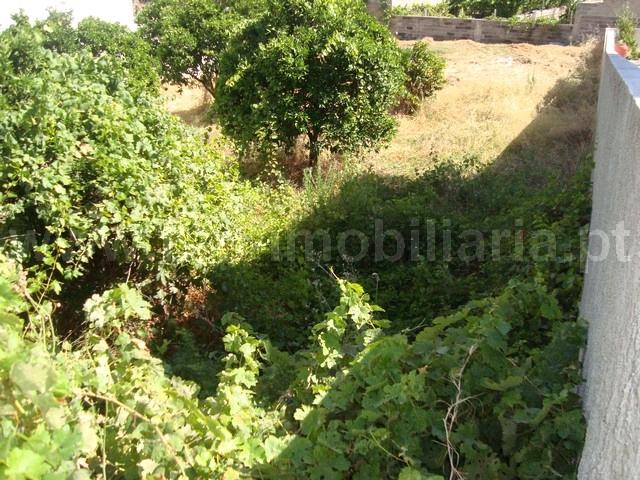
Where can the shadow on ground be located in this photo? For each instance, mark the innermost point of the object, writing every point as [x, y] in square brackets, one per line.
[529, 188]
[438, 264]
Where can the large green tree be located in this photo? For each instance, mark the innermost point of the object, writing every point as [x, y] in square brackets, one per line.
[127, 48]
[102, 37]
[188, 36]
[323, 69]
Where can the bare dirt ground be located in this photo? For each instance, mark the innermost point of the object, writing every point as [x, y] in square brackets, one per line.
[535, 102]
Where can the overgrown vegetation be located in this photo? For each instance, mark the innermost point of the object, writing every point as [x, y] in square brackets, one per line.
[627, 24]
[128, 51]
[161, 317]
[98, 180]
[424, 75]
[188, 38]
[325, 70]
[476, 391]
[441, 9]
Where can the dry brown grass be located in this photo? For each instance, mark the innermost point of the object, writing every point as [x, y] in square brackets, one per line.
[499, 100]
[190, 103]
[502, 104]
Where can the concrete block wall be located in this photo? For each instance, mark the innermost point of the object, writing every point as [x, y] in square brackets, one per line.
[489, 31]
[611, 294]
[593, 17]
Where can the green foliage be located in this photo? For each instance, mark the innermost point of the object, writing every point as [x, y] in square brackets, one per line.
[424, 75]
[440, 9]
[57, 30]
[244, 8]
[131, 54]
[107, 201]
[627, 23]
[322, 69]
[454, 198]
[85, 164]
[504, 8]
[95, 179]
[486, 8]
[487, 390]
[188, 37]
[102, 37]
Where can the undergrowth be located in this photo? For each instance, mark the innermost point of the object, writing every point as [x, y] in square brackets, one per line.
[168, 319]
[488, 391]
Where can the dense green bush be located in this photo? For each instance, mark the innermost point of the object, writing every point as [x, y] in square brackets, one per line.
[188, 37]
[96, 178]
[131, 54]
[322, 69]
[488, 391]
[113, 39]
[424, 75]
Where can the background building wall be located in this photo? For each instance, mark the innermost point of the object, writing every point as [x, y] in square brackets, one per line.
[490, 31]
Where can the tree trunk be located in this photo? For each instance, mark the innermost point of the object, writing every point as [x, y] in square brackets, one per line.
[314, 149]
[210, 86]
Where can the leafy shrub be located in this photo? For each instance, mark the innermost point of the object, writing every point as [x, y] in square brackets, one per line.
[424, 75]
[57, 30]
[188, 37]
[627, 23]
[440, 9]
[96, 179]
[322, 69]
[85, 165]
[131, 54]
[102, 37]
[488, 391]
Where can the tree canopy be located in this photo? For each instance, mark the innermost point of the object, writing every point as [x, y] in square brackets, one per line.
[323, 69]
[188, 36]
[127, 48]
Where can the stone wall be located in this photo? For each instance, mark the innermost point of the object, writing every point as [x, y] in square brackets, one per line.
[593, 17]
[489, 31]
[611, 295]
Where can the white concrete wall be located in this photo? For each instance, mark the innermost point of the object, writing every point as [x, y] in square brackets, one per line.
[611, 296]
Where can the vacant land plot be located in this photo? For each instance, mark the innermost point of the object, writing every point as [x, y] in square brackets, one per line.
[508, 104]
[539, 100]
